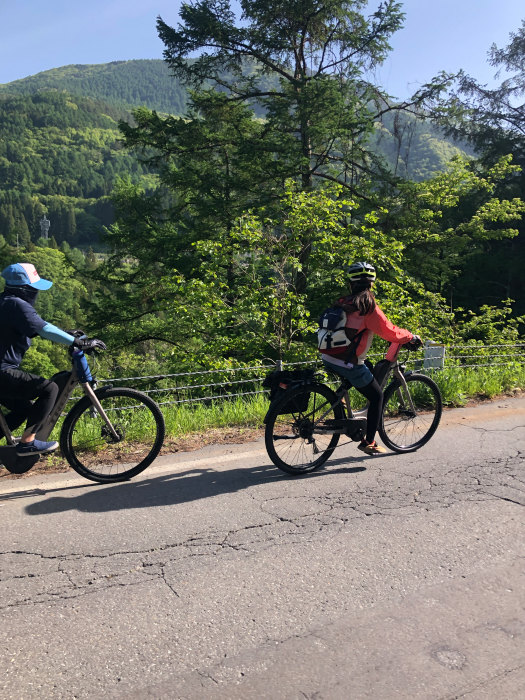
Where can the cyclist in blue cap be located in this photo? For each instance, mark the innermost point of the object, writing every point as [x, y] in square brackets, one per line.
[27, 396]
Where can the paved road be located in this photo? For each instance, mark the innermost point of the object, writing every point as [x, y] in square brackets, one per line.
[215, 576]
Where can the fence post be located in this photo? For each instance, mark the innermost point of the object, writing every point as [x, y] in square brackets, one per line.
[434, 355]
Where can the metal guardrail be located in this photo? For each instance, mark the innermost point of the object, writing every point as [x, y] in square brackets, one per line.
[453, 357]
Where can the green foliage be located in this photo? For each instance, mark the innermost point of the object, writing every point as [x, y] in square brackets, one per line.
[43, 360]
[446, 222]
[256, 274]
[59, 155]
[244, 295]
[493, 121]
[490, 325]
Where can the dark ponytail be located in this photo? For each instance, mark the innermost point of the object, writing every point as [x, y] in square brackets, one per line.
[364, 302]
[361, 299]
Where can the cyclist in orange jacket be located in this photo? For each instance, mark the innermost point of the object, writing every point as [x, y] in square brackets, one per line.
[363, 314]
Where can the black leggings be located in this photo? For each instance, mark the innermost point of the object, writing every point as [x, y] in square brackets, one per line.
[374, 394]
[18, 391]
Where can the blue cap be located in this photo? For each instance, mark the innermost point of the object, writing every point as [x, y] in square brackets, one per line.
[21, 274]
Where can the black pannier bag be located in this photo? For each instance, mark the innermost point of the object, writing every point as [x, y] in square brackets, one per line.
[279, 382]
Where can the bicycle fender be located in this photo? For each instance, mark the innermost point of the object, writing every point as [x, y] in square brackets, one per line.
[100, 391]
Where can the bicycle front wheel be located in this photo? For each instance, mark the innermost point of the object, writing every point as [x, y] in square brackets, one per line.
[410, 415]
[299, 433]
[89, 446]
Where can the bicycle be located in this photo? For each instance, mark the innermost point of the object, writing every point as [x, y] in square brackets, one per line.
[304, 424]
[111, 434]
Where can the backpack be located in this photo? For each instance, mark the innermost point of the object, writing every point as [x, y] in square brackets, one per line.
[333, 338]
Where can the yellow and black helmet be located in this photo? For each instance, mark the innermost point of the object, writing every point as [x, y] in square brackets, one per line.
[361, 271]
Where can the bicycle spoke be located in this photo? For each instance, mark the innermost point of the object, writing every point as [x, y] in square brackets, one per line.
[90, 444]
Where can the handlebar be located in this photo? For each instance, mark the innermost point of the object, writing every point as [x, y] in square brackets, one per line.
[395, 348]
[96, 344]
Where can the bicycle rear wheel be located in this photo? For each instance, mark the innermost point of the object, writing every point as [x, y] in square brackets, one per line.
[87, 444]
[410, 415]
[298, 434]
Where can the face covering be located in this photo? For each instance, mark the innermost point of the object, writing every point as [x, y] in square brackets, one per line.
[24, 292]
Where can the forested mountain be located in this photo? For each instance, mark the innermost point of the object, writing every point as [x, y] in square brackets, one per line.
[59, 155]
[60, 149]
[123, 83]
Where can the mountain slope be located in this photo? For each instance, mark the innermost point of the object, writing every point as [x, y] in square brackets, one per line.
[126, 83]
[147, 82]
[60, 150]
[59, 154]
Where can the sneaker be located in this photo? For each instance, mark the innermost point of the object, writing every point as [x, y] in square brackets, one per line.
[34, 448]
[371, 448]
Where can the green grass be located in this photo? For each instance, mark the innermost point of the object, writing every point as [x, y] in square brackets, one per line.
[457, 387]
[183, 419]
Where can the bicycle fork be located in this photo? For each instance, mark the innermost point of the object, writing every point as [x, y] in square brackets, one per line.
[405, 398]
[88, 391]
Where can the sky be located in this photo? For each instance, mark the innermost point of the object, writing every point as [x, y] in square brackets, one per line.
[36, 35]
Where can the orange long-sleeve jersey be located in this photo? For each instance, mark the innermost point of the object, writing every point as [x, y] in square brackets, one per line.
[375, 323]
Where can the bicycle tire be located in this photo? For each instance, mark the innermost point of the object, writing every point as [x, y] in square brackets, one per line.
[293, 440]
[87, 445]
[400, 428]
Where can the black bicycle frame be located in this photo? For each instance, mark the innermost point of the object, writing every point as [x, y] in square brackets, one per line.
[8, 456]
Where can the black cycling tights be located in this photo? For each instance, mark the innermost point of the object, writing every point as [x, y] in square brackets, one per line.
[374, 394]
[27, 397]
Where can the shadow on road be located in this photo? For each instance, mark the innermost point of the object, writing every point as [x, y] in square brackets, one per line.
[169, 489]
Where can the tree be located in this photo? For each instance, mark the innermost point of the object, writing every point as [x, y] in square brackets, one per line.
[493, 120]
[304, 63]
[269, 314]
[205, 320]
[447, 222]
[209, 165]
[300, 66]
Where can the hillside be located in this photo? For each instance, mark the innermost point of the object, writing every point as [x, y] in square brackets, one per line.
[413, 149]
[125, 83]
[60, 150]
[59, 154]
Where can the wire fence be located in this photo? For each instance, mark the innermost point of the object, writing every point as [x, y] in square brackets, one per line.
[237, 382]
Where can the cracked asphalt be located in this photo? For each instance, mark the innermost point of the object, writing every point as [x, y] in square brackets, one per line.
[214, 575]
